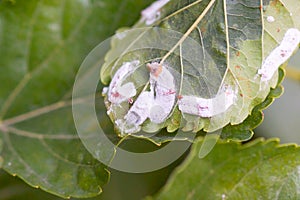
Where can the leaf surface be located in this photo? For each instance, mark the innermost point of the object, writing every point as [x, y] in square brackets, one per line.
[42, 46]
[13, 188]
[258, 170]
[233, 39]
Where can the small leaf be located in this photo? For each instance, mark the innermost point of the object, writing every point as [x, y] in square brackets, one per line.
[258, 170]
[42, 45]
[233, 40]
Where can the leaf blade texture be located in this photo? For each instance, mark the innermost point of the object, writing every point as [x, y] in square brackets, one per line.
[259, 169]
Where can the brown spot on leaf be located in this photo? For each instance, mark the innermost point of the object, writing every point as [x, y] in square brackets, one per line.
[238, 67]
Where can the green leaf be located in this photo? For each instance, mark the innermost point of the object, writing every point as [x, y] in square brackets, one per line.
[1, 159]
[258, 170]
[42, 45]
[237, 37]
[244, 131]
[13, 188]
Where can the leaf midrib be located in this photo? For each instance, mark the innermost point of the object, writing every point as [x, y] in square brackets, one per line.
[188, 32]
[6, 124]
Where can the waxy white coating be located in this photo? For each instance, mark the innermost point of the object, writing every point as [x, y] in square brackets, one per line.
[152, 13]
[117, 92]
[155, 104]
[280, 54]
[208, 107]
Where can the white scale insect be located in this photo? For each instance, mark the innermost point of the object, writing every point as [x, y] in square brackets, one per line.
[118, 93]
[152, 13]
[162, 84]
[198, 106]
[280, 54]
[270, 19]
[137, 114]
[155, 104]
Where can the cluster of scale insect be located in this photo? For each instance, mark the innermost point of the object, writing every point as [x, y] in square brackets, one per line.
[157, 104]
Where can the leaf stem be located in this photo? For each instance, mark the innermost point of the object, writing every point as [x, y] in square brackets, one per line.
[227, 43]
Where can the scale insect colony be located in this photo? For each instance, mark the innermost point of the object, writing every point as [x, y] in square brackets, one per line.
[157, 104]
[157, 101]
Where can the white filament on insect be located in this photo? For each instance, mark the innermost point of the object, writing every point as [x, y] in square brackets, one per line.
[155, 104]
[280, 54]
[202, 107]
[152, 13]
[117, 92]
